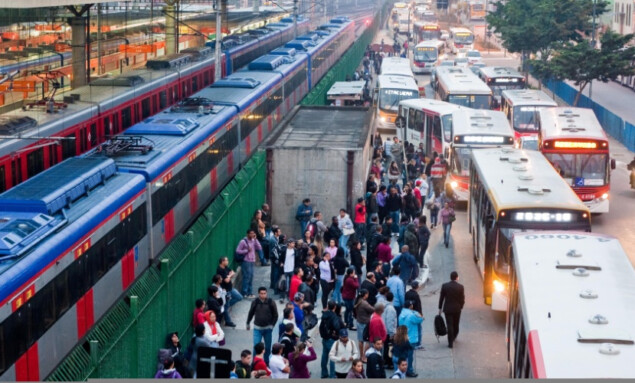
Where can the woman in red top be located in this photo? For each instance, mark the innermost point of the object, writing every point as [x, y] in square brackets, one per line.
[360, 220]
[259, 365]
[349, 292]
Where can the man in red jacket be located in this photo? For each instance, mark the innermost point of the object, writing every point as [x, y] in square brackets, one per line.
[296, 281]
[377, 327]
[360, 220]
[437, 174]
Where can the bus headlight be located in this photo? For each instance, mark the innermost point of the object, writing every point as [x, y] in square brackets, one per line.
[498, 286]
[454, 184]
[605, 196]
[383, 119]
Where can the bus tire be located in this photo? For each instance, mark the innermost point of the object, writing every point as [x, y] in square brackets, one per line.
[474, 250]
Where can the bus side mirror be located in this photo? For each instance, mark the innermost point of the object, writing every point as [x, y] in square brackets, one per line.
[612, 163]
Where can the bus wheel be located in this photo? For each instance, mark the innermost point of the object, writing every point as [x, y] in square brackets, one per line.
[474, 250]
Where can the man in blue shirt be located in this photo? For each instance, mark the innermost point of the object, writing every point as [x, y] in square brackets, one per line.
[304, 214]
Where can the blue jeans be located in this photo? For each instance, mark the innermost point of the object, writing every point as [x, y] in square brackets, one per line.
[303, 225]
[276, 272]
[434, 217]
[234, 297]
[360, 232]
[348, 314]
[446, 233]
[326, 364]
[248, 277]
[337, 292]
[343, 242]
[258, 336]
[395, 220]
[261, 255]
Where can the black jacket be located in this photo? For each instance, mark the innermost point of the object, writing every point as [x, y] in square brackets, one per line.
[309, 294]
[412, 295]
[332, 324]
[357, 260]
[393, 202]
[264, 313]
[423, 234]
[452, 297]
[372, 291]
[333, 232]
[340, 264]
[375, 366]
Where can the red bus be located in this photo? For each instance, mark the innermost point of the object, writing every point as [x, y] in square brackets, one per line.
[574, 142]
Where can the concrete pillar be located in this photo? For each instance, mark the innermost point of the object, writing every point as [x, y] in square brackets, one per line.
[170, 29]
[256, 6]
[78, 43]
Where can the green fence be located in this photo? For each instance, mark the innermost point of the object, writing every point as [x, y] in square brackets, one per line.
[346, 65]
[125, 342]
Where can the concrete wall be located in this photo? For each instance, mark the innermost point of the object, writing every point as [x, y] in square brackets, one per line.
[318, 174]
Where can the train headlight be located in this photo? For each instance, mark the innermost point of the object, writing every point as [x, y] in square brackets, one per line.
[605, 196]
[454, 184]
[498, 286]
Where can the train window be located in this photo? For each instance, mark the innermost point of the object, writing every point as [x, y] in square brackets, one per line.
[69, 147]
[16, 171]
[35, 162]
[206, 78]
[163, 100]
[83, 140]
[194, 84]
[3, 181]
[126, 118]
[115, 124]
[145, 108]
[107, 131]
[184, 89]
[93, 134]
[53, 154]
[62, 297]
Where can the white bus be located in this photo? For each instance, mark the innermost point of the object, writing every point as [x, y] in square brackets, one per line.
[461, 86]
[396, 66]
[426, 55]
[571, 308]
[391, 89]
[501, 78]
[427, 122]
[401, 18]
[473, 129]
[461, 39]
[521, 108]
[513, 190]
[575, 143]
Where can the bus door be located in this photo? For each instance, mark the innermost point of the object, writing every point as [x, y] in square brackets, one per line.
[433, 133]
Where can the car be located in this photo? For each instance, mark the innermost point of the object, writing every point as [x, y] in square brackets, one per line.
[461, 61]
[473, 56]
[528, 142]
[476, 67]
[444, 35]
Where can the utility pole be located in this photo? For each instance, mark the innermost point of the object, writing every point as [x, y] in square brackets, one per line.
[592, 46]
[99, 38]
[219, 38]
[171, 40]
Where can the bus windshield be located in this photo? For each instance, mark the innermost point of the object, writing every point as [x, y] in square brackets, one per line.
[591, 168]
[463, 38]
[446, 121]
[498, 88]
[389, 98]
[426, 54]
[525, 119]
[461, 161]
[471, 101]
[430, 34]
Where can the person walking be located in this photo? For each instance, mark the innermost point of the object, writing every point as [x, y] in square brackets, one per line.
[447, 217]
[342, 353]
[451, 301]
[423, 235]
[303, 214]
[248, 247]
[298, 360]
[330, 326]
[360, 220]
[347, 228]
[265, 314]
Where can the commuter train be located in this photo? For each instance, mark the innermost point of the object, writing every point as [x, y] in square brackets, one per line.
[33, 139]
[74, 237]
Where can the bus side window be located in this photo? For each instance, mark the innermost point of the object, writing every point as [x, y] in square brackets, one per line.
[436, 130]
[419, 121]
[411, 119]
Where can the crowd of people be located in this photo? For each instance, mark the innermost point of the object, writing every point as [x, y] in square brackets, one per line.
[364, 288]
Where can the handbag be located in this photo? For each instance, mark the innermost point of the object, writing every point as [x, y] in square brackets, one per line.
[348, 231]
[452, 218]
[239, 257]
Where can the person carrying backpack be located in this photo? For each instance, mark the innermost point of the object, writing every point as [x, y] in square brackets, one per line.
[330, 326]
[342, 353]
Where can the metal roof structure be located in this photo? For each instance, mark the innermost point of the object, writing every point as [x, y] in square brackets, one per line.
[567, 123]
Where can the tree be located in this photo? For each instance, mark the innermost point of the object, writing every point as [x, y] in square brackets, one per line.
[581, 63]
[534, 26]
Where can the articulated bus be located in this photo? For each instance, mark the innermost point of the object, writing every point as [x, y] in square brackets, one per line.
[461, 39]
[500, 79]
[428, 122]
[426, 31]
[571, 307]
[460, 86]
[427, 55]
[573, 140]
[521, 108]
[513, 190]
[473, 129]
[391, 89]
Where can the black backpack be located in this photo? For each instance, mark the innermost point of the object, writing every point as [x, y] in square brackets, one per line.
[439, 327]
